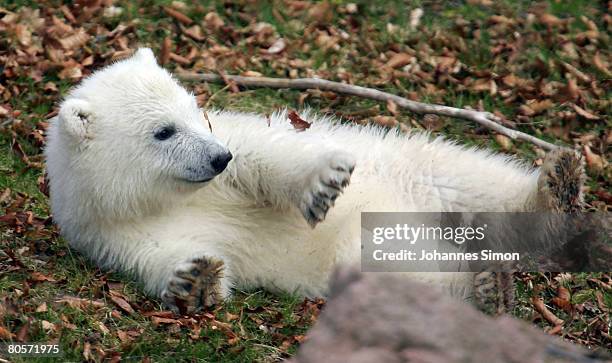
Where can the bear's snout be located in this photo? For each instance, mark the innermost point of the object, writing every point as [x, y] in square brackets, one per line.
[220, 161]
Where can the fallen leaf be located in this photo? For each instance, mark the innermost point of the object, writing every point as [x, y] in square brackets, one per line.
[601, 65]
[157, 320]
[415, 18]
[251, 74]
[297, 122]
[87, 352]
[577, 73]
[42, 308]
[179, 59]
[164, 56]
[584, 113]
[392, 107]
[277, 47]
[539, 306]
[74, 41]
[5, 333]
[504, 141]
[399, 60]
[177, 15]
[80, 303]
[386, 121]
[593, 161]
[562, 300]
[39, 277]
[48, 326]
[213, 21]
[121, 301]
[550, 20]
[103, 328]
[195, 32]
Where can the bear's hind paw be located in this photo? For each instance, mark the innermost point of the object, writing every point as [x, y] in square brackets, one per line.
[327, 184]
[494, 292]
[560, 182]
[194, 285]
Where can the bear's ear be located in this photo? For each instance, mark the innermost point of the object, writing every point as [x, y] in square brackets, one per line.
[145, 55]
[75, 117]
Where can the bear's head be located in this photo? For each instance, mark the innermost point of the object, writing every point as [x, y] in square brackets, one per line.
[129, 140]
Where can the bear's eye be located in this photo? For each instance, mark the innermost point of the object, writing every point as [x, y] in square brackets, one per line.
[165, 133]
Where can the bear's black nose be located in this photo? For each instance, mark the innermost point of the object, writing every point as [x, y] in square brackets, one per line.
[219, 162]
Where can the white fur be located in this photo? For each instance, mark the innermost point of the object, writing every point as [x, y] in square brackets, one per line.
[114, 201]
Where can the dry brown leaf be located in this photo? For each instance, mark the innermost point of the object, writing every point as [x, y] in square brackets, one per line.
[195, 32]
[584, 113]
[164, 56]
[74, 41]
[555, 330]
[42, 308]
[179, 59]
[321, 12]
[5, 333]
[121, 301]
[39, 277]
[297, 122]
[177, 15]
[504, 141]
[572, 90]
[277, 47]
[562, 300]
[539, 306]
[540, 106]
[87, 352]
[601, 65]
[48, 326]
[550, 20]
[80, 303]
[526, 110]
[392, 107]
[23, 34]
[158, 321]
[600, 301]
[103, 328]
[212, 20]
[593, 161]
[576, 72]
[415, 18]
[251, 74]
[432, 122]
[399, 60]
[386, 121]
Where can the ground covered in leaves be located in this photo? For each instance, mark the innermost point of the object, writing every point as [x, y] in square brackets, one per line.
[544, 67]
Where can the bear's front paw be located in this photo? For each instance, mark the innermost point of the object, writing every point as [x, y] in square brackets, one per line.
[325, 186]
[195, 284]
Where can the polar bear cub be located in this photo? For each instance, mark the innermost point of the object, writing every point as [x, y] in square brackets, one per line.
[140, 183]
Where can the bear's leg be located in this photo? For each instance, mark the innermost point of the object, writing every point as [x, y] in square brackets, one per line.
[289, 171]
[187, 274]
[558, 190]
[195, 284]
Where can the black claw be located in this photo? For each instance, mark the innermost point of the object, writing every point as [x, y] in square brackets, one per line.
[187, 286]
[333, 186]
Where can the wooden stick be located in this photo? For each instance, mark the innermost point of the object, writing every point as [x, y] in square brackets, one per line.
[485, 119]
